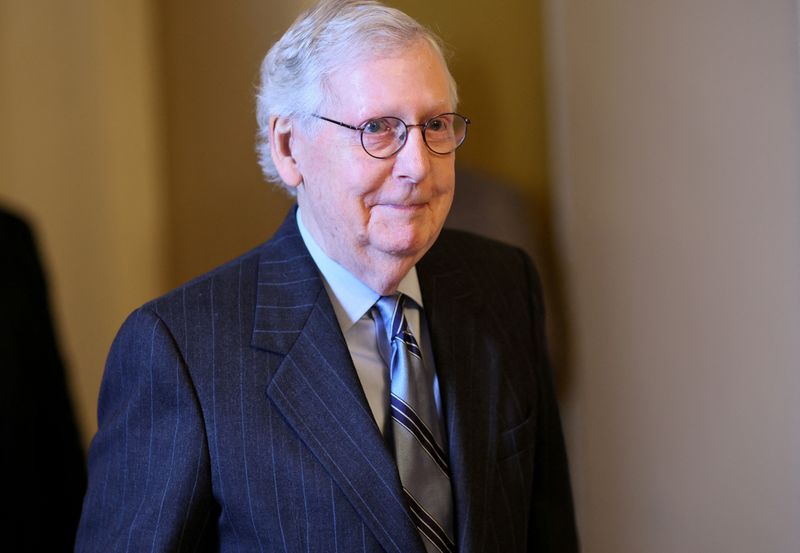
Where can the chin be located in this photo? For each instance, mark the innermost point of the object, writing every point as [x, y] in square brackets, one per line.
[412, 244]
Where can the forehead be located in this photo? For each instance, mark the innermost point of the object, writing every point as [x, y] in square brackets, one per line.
[408, 82]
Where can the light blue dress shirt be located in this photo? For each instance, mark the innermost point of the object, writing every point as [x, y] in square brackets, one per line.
[352, 302]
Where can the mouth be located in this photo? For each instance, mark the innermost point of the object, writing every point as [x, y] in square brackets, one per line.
[403, 205]
[404, 210]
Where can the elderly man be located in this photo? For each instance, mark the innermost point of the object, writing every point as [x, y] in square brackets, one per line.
[363, 381]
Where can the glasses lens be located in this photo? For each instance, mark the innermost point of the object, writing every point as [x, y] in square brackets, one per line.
[382, 137]
[444, 133]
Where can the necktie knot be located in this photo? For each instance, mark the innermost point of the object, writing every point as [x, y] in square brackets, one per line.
[391, 310]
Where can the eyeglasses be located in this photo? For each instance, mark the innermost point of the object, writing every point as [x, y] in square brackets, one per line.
[383, 137]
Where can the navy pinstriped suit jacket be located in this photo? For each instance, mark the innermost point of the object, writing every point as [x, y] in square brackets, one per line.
[231, 417]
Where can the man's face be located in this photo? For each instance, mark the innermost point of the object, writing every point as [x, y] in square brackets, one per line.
[369, 213]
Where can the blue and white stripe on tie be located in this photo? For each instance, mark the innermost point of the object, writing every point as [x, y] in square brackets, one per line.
[418, 432]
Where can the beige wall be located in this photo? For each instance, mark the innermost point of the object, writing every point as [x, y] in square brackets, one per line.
[219, 204]
[80, 155]
[677, 131]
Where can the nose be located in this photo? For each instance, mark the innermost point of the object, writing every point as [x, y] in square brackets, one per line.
[413, 161]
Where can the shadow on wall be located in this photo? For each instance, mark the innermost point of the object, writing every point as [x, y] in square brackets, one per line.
[42, 451]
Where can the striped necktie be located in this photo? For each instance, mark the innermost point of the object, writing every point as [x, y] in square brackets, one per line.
[418, 433]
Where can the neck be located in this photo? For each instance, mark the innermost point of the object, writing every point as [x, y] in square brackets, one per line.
[380, 271]
[382, 274]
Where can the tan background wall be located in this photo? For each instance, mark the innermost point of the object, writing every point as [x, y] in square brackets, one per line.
[677, 138]
[81, 153]
[220, 205]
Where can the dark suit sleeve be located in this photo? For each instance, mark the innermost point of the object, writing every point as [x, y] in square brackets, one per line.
[149, 477]
[552, 522]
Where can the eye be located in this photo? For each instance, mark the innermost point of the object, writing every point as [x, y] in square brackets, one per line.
[377, 126]
[438, 124]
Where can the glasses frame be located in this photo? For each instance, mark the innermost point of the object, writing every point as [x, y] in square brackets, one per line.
[422, 127]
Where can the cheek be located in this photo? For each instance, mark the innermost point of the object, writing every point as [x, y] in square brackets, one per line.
[347, 206]
[440, 210]
[446, 188]
[336, 189]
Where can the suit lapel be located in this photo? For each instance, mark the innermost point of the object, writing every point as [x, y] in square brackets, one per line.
[317, 390]
[464, 365]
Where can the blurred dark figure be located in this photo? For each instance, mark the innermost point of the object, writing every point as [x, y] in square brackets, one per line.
[44, 470]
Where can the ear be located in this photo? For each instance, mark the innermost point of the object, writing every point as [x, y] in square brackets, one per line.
[280, 146]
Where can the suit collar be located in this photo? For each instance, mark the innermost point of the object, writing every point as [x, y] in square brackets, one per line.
[288, 285]
[317, 390]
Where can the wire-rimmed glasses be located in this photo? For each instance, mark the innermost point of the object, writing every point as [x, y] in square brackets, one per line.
[383, 137]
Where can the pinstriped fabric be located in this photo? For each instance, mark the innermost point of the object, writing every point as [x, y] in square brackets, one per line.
[231, 418]
[347, 458]
[494, 293]
[142, 474]
[224, 461]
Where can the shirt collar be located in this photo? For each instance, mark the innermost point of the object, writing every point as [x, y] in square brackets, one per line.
[350, 297]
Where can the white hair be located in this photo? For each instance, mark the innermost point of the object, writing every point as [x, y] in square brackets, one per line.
[329, 36]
